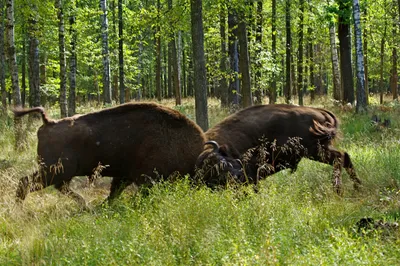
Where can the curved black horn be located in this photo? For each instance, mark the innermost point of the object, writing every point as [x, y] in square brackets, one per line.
[214, 144]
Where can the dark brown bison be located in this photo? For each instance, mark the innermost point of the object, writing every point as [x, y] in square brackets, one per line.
[133, 143]
[264, 139]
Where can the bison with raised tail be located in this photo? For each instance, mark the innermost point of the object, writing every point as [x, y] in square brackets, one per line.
[264, 139]
[134, 142]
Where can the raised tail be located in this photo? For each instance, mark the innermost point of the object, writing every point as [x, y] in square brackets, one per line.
[21, 112]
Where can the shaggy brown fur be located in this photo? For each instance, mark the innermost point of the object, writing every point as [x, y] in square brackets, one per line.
[264, 139]
[131, 141]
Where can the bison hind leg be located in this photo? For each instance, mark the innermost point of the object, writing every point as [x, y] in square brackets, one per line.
[117, 186]
[348, 165]
[23, 188]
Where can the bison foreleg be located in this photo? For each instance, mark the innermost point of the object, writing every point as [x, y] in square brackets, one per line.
[117, 186]
[28, 184]
[66, 190]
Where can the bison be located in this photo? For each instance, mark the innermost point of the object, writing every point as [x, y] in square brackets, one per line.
[264, 139]
[134, 143]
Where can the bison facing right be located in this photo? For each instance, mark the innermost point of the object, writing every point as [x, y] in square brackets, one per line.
[131, 142]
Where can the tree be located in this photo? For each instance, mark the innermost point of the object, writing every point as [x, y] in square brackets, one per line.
[121, 53]
[244, 62]
[72, 64]
[361, 97]
[199, 64]
[34, 60]
[335, 61]
[105, 52]
[288, 88]
[300, 53]
[12, 58]
[158, 53]
[223, 84]
[259, 41]
[394, 75]
[272, 93]
[62, 58]
[2, 60]
[234, 89]
[345, 51]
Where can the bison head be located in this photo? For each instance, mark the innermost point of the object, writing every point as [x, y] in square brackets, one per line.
[216, 165]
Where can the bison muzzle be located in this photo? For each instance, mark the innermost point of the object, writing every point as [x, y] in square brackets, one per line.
[264, 139]
[135, 143]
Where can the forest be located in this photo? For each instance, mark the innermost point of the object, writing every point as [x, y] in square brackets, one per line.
[205, 59]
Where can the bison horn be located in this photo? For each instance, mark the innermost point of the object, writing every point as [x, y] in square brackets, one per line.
[214, 144]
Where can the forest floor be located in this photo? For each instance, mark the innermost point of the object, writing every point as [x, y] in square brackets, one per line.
[294, 219]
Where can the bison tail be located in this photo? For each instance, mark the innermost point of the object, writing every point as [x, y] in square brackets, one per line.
[21, 112]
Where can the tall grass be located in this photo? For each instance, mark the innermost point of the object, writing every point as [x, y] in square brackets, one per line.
[294, 219]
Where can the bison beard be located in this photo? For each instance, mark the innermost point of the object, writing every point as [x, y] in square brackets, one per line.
[261, 140]
[132, 142]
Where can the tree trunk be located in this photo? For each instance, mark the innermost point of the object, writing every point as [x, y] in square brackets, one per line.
[234, 89]
[300, 53]
[63, 66]
[257, 83]
[23, 68]
[105, 52]
[12, 57]
[361, 97]
[394, 75]
[335, 64]
[158, 53]
[288, 90]
[176, 72]
[34, 63]
[72, 67]
[272, 93]
[190, 78]
[2, 60]
[223, 84]
[345, 51]
[121, 53]
[311, 64]
[365, 36]
[199, 64]
[244, 67]
[381, 84]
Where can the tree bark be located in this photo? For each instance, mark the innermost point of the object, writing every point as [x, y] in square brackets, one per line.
[34, 63]
[345, 51]
[199, 64]
[158, 53]
[12, 57]
[365, 36]
[381, 84]
[288, 90]
[176, 72]
[257, 82]
[62, 58]
[223, 83]
[361, 97]
[335, 64]
[105, 52]
[311, 64]
[121, 53]
[394, 75]
[2, 60]
[234, 89]
[300, 53]
[72, 66]
[244, 62]
[272, 93]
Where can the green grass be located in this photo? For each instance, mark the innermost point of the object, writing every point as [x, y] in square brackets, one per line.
[295, 219]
